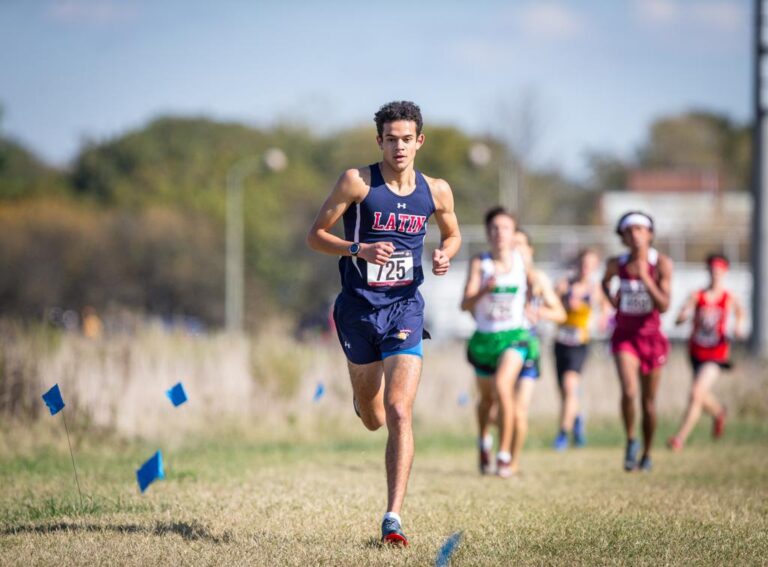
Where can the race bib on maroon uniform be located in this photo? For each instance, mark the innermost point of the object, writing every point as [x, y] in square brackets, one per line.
[634, 299]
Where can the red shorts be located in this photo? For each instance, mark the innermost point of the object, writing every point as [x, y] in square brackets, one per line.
[651, 350]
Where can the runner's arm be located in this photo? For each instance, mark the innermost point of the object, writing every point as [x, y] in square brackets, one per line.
[611, 271]
[739, 329]
[473, 289]
[660, 291]
[552, 309]
[561, 289]
[686, 310]
[349, 189]
[603, 307]
[450, 235]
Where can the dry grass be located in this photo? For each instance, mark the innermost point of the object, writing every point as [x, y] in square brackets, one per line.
[235, 500]
[260, 474]
[268, 381]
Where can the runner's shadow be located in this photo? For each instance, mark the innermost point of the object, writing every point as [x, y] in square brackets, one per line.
[188, 531]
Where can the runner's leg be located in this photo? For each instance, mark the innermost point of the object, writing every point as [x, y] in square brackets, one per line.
[702, 383]
[649, 384]
[570, 391]
[368, 391]
[485, 390]
[523, 395]
[402, 374]
[628, 366]
[510, 364]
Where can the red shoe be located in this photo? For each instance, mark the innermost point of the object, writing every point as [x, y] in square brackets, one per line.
[718, 425]
[392, 533]
[675, 444]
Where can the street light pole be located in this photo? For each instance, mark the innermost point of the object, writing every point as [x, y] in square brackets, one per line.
[759, 339]
[275, 160]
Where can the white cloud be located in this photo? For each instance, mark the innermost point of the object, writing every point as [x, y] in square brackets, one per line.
[720, 16]
[551, 21]
[723, 16]
[92, 12]
[657, 12]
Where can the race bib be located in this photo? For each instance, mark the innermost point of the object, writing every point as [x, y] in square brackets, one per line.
[571, 336]
[499, 309]
[707, 338]
[707, 334]
[636, 302]
[501, 303]
[397, 271]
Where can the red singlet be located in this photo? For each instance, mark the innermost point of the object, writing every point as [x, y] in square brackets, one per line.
[708, 341]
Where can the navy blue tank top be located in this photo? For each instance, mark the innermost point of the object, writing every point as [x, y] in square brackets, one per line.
[384, 216]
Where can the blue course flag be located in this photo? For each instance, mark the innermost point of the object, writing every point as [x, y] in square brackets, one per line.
[53, 400]
[150, 471]
[443, 558]
[319, 392]
[177, 394]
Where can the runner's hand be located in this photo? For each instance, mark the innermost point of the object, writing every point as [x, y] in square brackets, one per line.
[490, 285]
[377, 252]
[440, 263]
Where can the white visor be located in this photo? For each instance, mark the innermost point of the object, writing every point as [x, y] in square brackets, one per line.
[635, 219]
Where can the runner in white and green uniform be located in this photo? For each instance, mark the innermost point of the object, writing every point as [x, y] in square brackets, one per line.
[495, 294]
[500, 316]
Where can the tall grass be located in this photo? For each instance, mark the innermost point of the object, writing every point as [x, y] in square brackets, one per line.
[117, 384]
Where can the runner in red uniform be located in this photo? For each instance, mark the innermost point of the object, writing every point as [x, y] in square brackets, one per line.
[638, 345]
[709, 347]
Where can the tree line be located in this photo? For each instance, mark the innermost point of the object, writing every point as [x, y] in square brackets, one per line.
[137, 222]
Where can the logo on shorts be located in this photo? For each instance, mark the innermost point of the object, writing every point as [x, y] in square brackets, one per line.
[347, 345]
[403, 334]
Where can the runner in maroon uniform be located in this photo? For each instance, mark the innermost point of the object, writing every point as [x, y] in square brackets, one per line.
[638, 345]
[709, 347]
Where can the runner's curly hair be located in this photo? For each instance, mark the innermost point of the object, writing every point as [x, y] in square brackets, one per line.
[398, 110]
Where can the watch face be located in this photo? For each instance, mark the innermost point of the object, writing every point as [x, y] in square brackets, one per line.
[354, 249]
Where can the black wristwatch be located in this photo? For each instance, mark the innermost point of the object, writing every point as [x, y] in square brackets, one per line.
[354, 249]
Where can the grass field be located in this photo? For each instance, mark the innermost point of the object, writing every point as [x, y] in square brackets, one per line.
[236, 500]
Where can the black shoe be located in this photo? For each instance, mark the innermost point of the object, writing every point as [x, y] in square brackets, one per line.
[630, 456]
[646, 464]
[485, 461]
[392, 533]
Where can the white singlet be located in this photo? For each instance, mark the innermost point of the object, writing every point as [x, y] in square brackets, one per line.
[502, 309]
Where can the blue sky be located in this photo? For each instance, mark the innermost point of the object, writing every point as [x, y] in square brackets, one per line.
[583, 75]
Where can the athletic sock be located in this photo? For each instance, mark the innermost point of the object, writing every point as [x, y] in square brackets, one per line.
[392, 516]
[504, 456]
[486, 443]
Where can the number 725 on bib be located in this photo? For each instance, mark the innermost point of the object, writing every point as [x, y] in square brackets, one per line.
[397, 271]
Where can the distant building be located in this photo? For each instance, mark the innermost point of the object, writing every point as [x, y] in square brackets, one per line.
[684, 203]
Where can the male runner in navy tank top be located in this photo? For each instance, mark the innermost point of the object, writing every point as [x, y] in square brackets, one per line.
[638, 344]
[379, 313]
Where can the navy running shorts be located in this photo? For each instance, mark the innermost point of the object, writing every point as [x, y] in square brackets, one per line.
[368, 334]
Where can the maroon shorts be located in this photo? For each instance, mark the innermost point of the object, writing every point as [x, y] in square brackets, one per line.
[651, 350]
